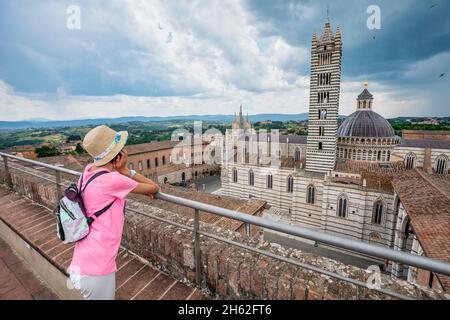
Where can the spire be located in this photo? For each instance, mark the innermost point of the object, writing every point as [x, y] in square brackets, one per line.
[327, 35]
[240, 110]
[327, 25]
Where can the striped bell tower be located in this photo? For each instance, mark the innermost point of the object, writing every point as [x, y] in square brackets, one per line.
[325, 82]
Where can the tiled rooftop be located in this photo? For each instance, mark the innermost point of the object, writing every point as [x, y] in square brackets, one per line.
[151, 146]
[426, 198]
[135, 279]
[377, 177]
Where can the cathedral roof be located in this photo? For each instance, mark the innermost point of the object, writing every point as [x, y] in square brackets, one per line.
[365, 95]
[365, 123]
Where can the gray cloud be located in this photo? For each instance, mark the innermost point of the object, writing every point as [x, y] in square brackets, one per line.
[231, 50]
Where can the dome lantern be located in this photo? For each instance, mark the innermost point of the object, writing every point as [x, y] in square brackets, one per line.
[365, 99]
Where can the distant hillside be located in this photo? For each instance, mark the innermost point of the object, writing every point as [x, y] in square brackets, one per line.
[34, 123]
[45, 123]
[417, 119]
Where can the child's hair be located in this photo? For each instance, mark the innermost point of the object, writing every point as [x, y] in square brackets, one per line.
[114, 159]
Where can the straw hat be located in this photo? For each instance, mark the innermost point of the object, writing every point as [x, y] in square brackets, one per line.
[103, 144]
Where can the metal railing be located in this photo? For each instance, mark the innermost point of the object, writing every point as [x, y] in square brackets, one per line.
[359, 247]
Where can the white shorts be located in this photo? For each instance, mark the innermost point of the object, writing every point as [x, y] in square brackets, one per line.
[95, 287]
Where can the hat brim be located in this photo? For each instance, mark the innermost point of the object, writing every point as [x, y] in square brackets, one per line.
[114, 151]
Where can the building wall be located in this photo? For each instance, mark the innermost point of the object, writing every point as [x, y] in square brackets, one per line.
[139, 161]
[420, 154]
[322, 215]
[168, 169]
[425, 134]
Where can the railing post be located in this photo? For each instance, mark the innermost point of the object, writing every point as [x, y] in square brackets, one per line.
[197, 247]
[58, 185]
[7, 174]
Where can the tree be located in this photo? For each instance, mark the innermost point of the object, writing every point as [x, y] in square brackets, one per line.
[73, 137]
[46, 151]
[79, 149]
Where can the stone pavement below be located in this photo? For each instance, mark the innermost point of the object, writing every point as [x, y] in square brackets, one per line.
[17, 280]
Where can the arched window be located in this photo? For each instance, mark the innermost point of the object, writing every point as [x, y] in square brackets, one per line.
[183, 176]
[251, 178]
[410, 160]
[131, 166]
[148, 164]
[320, 146]
[290, 184]
[321, 131]
[156, 162]
[310, 194]
[163, 160]
[269, 181]
[397, 205]
[441, 164]
[342, 206]
[235, 175]
[297, 154]
[377, 214]
[140, 166]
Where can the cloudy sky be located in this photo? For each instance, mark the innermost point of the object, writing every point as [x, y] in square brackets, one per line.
[176, 57]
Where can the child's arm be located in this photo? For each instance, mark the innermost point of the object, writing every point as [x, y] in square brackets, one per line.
[146, 186]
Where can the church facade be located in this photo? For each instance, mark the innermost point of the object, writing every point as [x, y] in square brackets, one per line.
[338, 179]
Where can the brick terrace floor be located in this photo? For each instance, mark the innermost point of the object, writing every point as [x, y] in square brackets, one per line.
[17, 281]
[135, 279]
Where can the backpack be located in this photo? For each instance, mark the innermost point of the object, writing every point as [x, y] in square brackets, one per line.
[72, 224]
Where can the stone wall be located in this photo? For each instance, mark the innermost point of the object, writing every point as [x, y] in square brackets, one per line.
[227, 271]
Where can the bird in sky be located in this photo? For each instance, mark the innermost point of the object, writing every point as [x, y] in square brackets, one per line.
[169, 38]
[159, 26]
[432, 6]
[441, 75]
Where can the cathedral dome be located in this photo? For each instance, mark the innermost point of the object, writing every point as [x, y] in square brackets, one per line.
[365, 135]
[365, 123]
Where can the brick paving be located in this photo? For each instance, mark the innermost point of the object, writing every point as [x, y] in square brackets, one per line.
[135, 279]
[17, 280]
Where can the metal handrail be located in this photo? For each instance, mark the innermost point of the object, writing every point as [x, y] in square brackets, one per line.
[379, 251]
